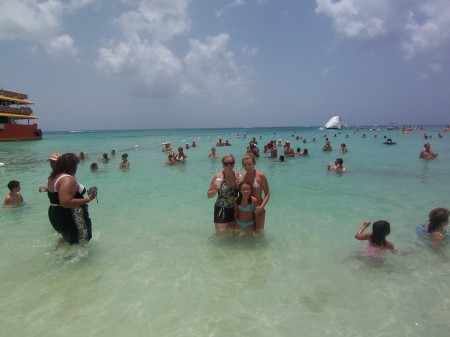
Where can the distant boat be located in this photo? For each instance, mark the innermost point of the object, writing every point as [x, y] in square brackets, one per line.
[334, 123]
[392, 126]
[15, 117]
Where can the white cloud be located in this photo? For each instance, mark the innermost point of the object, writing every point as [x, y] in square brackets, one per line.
[29, 19]
[144, 59]
[435, 67]
[428, 28]
[40, 22]
[249, 51]
[211, 70]
[235, 3]
[61, 46]
[151, 69]
[162, 19]
[419, 26]
[357, 19]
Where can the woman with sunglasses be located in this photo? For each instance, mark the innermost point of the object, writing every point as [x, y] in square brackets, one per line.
[226, 185]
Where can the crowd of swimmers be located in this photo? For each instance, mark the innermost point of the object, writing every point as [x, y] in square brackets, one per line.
[241, 199]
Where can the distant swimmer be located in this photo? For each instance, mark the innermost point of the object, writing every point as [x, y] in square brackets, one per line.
[389, 141]
[338, 165]
[124, 164]
[427, 153]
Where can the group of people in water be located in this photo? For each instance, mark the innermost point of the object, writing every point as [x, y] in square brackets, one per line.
[241, 199]
[240, 202]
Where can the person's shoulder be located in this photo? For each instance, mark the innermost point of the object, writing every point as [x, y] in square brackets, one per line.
[437, 235]
[389, 245]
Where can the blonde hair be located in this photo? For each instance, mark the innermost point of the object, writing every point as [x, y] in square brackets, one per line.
[249, 156]
[229, 155]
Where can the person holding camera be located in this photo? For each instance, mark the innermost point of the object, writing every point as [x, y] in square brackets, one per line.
[68, 210]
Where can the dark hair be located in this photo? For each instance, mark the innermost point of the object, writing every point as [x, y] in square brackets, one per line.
[340, 161]
[239, 198]
[437, 217]
[67, 163]
[380, 230]
[94, 166]
[13, 184]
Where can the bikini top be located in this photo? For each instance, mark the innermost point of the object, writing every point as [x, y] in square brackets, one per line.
[248, 208]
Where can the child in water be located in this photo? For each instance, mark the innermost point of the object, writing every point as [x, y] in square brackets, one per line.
[377, 239]
[244, 206]
[13, 197]
[338, 166]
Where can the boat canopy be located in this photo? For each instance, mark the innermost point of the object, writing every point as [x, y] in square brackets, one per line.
[4, 114]
[15, 100]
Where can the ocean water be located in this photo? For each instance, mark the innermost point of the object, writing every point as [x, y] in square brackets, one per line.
[155, 268]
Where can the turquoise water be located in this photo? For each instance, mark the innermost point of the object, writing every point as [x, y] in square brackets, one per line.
[154, 267]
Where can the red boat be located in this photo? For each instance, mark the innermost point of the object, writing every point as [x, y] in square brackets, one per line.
[15, 116]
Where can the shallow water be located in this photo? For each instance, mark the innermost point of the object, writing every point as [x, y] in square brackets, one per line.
[154, 267]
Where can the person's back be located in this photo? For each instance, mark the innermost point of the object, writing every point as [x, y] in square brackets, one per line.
[377, 244]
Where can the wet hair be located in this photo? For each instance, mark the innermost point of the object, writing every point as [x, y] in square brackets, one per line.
[305, 151]
[340, 161]
[380, 230]
[13, 184]
[229, 155]
[437, 217]
[105, 155]
[239, 198]
[299, 149]
[94, 166]
[249, 156]
[67, 163]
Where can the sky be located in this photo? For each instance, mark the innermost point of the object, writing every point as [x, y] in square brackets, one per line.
[156, 64]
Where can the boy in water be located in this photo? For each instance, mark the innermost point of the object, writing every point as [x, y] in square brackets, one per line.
[13, 197]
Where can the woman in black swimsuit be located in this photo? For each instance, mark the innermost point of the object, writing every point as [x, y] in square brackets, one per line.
[68, 212]
[226, 185]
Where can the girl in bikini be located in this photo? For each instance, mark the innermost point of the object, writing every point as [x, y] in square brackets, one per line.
[244, 205]
[377, 239]
[260, 190]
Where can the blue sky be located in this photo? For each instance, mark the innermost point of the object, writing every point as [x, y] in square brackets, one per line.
[126, 64]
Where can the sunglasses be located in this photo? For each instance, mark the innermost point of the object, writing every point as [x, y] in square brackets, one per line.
[230, 163]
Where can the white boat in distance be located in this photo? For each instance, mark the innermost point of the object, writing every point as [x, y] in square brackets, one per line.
[334, 123]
